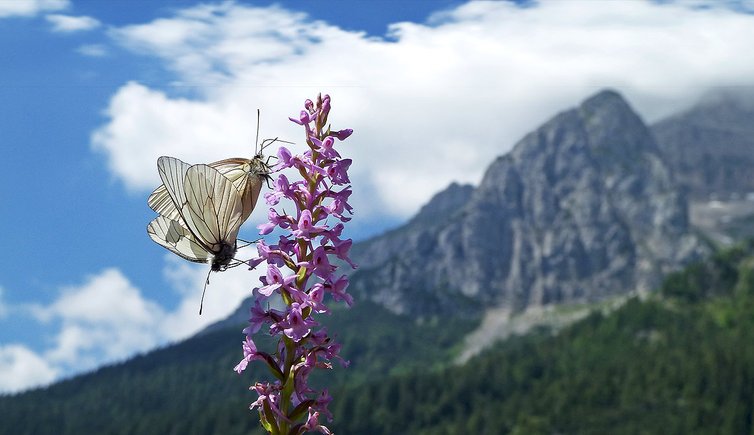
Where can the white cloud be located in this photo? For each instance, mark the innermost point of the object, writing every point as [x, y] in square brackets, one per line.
[28, 8]
[223, 296]
[92, 50]
[107, 319]
[210, 43]
[69, 23]
[21, 368]
[432, 104]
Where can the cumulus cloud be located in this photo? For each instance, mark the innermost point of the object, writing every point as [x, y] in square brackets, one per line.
[21, 368]
[69, 24]
[107, 319]
[224, 293]
[430, 103]
[28, 8]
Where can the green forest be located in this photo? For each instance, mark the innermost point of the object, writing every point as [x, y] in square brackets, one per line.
[678, 361]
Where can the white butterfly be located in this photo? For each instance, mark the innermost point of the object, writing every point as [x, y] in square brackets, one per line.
[201, 210]
[201, 207]
[247, 176]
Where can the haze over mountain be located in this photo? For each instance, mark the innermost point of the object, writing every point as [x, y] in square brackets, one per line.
[710, 147]
[581, 209]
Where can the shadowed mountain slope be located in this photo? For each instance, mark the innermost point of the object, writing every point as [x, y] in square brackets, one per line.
[582, 208]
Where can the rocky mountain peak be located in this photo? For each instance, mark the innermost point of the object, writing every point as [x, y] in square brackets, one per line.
[444, 204]
[580, 209]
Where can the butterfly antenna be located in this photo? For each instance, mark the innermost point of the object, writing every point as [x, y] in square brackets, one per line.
[268, 142]
[256, 142]
[201, 304]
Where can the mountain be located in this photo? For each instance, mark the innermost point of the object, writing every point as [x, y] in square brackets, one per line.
[710, 147]
[438, 209]
[679, 361]
[581, 209]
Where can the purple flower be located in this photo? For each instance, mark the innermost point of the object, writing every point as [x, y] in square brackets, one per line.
[343, 134]
[274, 281]
[306, 163]
[315, 298]
[312, 423]
[284, 158]
[286, 244]
[303, 370]
[254, 262]
[338, 290]
[342, 247]
[319, 264]
[275, 220]
[338, 171]
[249, 354]
[301, 273]
[269, 394]
[303, 118]
[266, 228]
[295, 325]
[325, 147]
[323, 400]
[305, 227]
[282, 189]
[337, 208]
[258, 317]
[333, 235]
[268, 253]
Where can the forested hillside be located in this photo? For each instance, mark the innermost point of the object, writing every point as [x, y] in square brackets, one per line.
[680, 361]
[191, 388]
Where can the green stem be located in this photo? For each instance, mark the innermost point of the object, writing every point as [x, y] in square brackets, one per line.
[288, 385]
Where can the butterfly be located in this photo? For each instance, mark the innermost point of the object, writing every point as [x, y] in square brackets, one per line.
[198, 217]
[200, 213]
[201, 207]
[247, 176]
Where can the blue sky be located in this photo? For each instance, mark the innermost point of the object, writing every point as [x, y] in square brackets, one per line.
[91, 93]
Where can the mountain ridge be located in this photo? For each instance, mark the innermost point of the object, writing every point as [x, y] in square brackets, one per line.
[581, 208]
[710, 146]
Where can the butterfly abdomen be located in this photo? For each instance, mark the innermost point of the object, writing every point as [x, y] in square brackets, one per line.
[223, 256]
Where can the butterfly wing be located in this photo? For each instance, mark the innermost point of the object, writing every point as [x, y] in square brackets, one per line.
[247, 175]
[161, 202]
[164, 199]
[172, 235]
[212, 208]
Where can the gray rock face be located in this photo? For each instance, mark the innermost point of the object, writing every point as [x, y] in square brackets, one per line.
[580, 209]
[710, 147]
